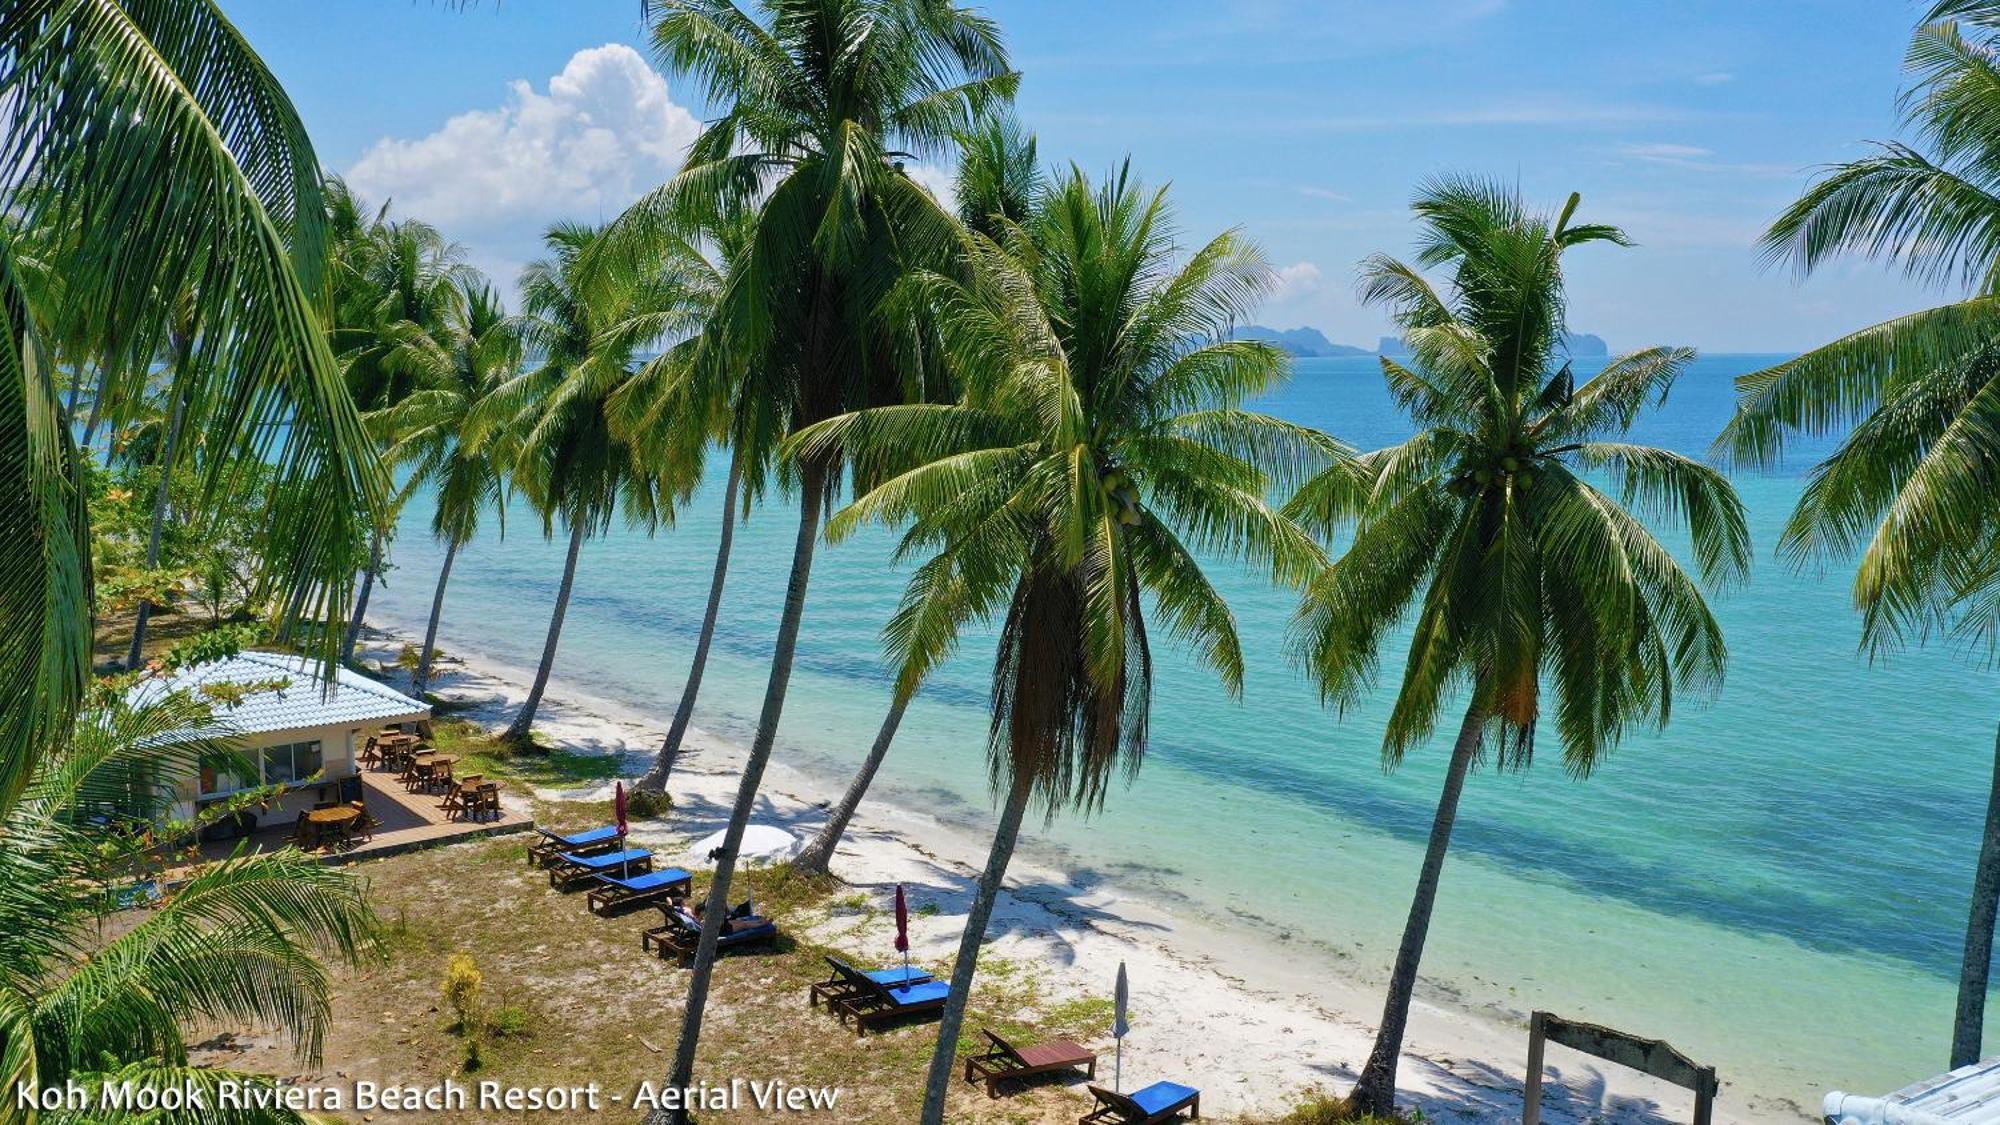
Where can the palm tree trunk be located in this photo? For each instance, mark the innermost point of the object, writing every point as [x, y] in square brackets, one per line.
[422, 680]
[670, 751]
[1376, 1090]
[717, 909]
[815, 856]
[361, 599]
[1968, 1030]
[944, 1058]
[517, 731]
[167, 451]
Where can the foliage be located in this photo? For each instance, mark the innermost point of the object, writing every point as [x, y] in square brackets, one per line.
[1488, 525]
[462, 983]
[645, 804]
[1909, 487]
[245, 939]
[151, 157]
[1100, 449]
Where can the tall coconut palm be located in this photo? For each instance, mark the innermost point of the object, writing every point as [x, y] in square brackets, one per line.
[999, 181]
[555, 416]
[1910, 486]
[180, 353]
[456, 367]
[684, 399]
[819, 100]
[1099, 454]
[389, 275]
[1489, 527]
[155, 134]
[244, 939]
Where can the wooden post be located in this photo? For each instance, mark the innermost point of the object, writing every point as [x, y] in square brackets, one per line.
[1704, 1096]
[1531, 1109]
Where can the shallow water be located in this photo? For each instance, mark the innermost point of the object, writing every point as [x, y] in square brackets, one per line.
[1776, 884]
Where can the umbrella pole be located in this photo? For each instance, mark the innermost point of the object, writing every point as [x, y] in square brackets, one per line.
[1118, 1069]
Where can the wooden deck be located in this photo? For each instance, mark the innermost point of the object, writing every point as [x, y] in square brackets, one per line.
[409, 821]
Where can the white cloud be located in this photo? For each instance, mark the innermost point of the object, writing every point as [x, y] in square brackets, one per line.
[604, 131]
[1656, 151]
[1328, 194]
[1714, 78]
[1300, 279]
[940, 183]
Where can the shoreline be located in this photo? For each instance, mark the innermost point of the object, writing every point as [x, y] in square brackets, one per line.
[1198, 1018]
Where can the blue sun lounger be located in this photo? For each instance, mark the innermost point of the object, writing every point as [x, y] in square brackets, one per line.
[571, 868]
[848, 981]
[552, 844]
[614, 889]
[680, 932]
[880, 1003]
[1162, 1101]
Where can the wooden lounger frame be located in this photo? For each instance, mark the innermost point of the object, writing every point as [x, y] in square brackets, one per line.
[1002, 1061]
[565, 876]
[846, 983]
[876, 1005]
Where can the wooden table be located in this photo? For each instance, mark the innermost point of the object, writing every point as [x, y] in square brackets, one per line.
[336, 822]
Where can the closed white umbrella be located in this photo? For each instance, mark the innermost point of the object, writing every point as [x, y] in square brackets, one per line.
[764, 843]
[1119, 1027]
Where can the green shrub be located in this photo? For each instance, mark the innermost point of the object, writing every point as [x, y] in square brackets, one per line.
[462, 981]
[644, 804]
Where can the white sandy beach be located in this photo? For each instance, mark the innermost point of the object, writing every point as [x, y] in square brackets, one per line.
[1249, 1018]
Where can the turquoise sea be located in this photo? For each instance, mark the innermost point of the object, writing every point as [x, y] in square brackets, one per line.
[1776, 883]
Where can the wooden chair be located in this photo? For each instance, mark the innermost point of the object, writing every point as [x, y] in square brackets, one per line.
[371, 752]
[1003, 1061]
[486, 799]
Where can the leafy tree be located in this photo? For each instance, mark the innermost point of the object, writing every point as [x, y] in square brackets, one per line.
[153, 137]
[456, 366]
[1521, 573]
[819, 100]
[1910, 485]
[245, 939]
[999, 182]
[1099, 454]
[585, 325]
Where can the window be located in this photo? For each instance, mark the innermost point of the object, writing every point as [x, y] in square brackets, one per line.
[285, 764]
[290, 762]
[217, 780]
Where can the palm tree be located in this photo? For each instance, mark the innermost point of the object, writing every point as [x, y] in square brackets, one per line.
[155, 135]
[1099, 454]
[388, 276]
[684, 398]
[456, 367]
[1909, 486]
[244, 939]
[999, 181]
[555, 416]
[1488, 524]
[180, 353]
[819, 100]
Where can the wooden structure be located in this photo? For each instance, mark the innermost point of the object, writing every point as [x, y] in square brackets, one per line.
[1651, 1056]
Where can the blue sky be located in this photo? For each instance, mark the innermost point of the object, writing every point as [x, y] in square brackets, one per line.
[1309, 124]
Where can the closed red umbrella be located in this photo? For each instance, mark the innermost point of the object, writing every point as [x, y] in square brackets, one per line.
[903, 927]
[618, 812]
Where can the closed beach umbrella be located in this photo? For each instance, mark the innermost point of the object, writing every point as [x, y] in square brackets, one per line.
[618, 814]
[903, 928]
[1119, 1027]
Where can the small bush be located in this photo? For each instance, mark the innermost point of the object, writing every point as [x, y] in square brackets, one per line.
[645, 804]
[461, 992]
[1317, 1107]
[509, 1021]
[473, 1061]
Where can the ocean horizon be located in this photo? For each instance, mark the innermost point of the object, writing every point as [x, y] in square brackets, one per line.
[1777, 882]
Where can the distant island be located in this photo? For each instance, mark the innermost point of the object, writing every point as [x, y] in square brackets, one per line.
[1579, 345]
[1301, 342]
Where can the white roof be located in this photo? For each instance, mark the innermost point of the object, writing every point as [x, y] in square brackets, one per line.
[306, 701]
[1969, 1095]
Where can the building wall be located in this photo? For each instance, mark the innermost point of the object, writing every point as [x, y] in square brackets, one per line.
[340, 745]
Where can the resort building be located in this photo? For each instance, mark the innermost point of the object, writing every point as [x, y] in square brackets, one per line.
[298, 732]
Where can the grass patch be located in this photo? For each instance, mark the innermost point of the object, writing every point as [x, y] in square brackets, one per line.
[1317, 1107]
[480, 751]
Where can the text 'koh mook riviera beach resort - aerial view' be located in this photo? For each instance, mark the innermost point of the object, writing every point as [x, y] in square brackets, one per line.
[998, 561]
